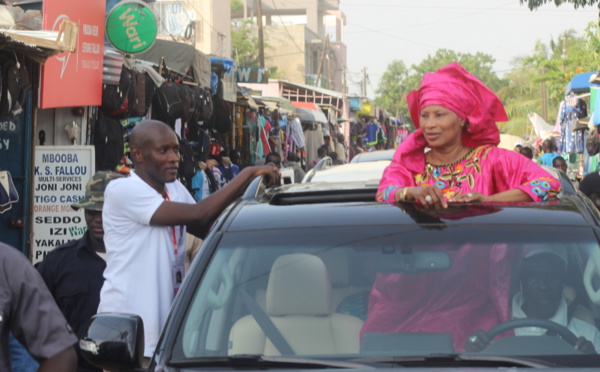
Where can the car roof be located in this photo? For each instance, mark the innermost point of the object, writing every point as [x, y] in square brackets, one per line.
[353, 203]
[374, 156]
[349, 172]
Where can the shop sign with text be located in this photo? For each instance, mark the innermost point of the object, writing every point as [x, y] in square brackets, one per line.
[131, 27]
[74, 79]
[60, 176]
[253, 75]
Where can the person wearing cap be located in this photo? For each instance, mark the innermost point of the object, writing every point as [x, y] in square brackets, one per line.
[456, 117]
[146, 217]
[73, 271]
[590, 186]
[518, 147]
[542, 278]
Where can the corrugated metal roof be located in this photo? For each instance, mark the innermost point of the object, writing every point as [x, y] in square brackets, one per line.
[30, 49]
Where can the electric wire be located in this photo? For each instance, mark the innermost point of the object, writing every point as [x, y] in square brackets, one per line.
[284, 26]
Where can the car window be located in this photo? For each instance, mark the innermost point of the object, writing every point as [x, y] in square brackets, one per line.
[393, 290]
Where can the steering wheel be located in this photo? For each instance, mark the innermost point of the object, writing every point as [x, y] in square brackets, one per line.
[562, 331]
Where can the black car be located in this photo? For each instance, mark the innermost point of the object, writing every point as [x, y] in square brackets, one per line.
[318, 276]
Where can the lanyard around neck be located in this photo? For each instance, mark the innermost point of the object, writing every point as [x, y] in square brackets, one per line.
[173, 236]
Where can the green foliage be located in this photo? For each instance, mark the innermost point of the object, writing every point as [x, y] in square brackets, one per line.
[534, 4]
[398, 80]
[244, 39]
[553, 64]
[237, 5]
[392, 91]
[274, 73]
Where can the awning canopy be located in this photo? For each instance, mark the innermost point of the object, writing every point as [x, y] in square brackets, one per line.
[277, 103]
[580, 83]
[311, 115]
[245, 99]
[179, 57]
[40, 45]
[306, 105]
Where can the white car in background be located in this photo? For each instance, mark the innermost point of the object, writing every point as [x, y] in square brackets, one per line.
[325, 171]
[374, 156]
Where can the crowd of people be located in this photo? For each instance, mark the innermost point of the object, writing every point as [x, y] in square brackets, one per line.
[131, 258]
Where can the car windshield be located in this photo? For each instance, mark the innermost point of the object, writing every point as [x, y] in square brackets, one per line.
[365, 291]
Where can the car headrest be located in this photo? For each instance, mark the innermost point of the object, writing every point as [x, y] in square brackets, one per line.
[299, 285]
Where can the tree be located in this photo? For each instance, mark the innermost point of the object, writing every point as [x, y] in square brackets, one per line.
[398, 81]
[553, 64]
[520, 96]
[534, 4]
[244, 41]
[237, 5]
[391, 90]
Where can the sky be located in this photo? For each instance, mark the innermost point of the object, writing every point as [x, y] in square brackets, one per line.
[380, 31]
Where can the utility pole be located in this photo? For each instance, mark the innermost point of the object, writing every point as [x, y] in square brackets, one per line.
[323, 51]
[261, 43]
[344, 80]
[329, 78]
[543, 92]
[364, 82]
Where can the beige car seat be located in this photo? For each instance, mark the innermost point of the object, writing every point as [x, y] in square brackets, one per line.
[299, 303]
[581, 312]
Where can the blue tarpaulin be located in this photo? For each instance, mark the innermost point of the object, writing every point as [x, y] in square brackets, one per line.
[227, 63]
[580, 83]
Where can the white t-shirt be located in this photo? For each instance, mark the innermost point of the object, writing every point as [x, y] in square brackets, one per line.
[140, 259]
[577, 326]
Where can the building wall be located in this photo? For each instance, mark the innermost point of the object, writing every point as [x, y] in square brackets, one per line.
[340, 52]
[271, 89]
[53, 122]
[284, 45]
[212, 20]
[286, 50]
[221, 28]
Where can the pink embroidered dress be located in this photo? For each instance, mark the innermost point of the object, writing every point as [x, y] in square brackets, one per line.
[486, 169]
[433, 302]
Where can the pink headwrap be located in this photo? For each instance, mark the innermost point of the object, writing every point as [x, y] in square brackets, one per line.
[457, 90]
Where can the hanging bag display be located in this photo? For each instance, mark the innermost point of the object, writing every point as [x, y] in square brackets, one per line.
[169, 103]
[8, 192]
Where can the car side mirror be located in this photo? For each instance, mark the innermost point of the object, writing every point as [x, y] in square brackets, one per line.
[114, 342]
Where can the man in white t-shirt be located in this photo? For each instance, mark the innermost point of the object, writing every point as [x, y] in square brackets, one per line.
[145, 219]
[541, 296]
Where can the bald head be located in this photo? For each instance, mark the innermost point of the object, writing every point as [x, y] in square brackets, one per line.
[155, 153]
[146, 131]
[148, 135]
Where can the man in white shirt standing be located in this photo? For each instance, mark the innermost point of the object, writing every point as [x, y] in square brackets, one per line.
[145, 219]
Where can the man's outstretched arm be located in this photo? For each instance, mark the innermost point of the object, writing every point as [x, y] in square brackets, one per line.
[199, 217]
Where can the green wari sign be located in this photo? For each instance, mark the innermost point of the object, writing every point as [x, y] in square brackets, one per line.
[131, 27]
